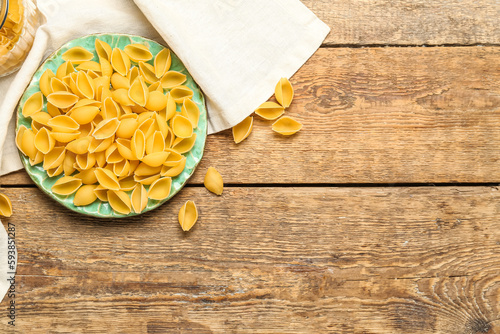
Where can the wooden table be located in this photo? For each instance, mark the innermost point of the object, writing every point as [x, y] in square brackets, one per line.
[381, 216]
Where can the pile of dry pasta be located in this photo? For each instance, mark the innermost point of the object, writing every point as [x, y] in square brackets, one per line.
[111, 127]
[12, 28]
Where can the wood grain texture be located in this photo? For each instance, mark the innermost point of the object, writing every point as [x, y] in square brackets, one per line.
[274, 260]
[409, 22]
[375, 115]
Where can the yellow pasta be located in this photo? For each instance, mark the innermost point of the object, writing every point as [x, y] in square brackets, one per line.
[148, 72]
[106, 128]
[138, 52]
[175, 170]
[38, 159]
[180, 93]
[155, 143]
[77, 55]
[44, 142]
[270, 110]
[89, 66]
[107, 179]
[121, 96]
[125, 149]
[188, 215]
[119, 201]
[57, 85]
[162, 63]
[139, 92]
[182, 126]
[120, 61]
[87, 176]
[121, 169]
[66, 185]
[45, 82]
[119, 81]
[33, 104]
[63, 123]
[42, 118]
[100, 145]
[101, 193]
[156, 101]
[284, 92]
[64, 69]
[155, 159]
[127, 183]
[191, 111]
[127, 127]
[242, 130]
[85, 195]
[213, 181]
[54, 158]
[84, 86]
[5, 206]
[139, 198]
[138, 144]
[69, 163]
[103, 49]
[146, 180]
[160, 189]
[144, 169]
[85, 114]
[113, 156]
[173, 158]
[286, 126]
[172, 79]
[85, 161]
[26, 143]
[184, 145]
[62, 99]
[106, 68]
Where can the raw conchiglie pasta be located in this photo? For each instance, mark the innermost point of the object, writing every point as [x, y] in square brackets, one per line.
[54, 158]
[138, 52]
[26, 143]
[138, 144]
[127, 128]
[106, 68]
[146, 180]
[64, 137]
[77, 55]
[148, 72]
[100, 145]
[284, 92]
[132, 74]
[180, 93]
[66, 185]
[155, 143]
[173, 158]
[85, 195]
[101, 193]
[182, 126]
[172, 79]
[79, 145]
[287, 126]
[103, 49]
[5, 206]
[162, 62]
[63, 123]
[55, 171]
[87, 102]
[121, 96]
[33, 104]
[89, 66]
[124, 148]
[120, 61]
[41, 117]
[184, 145]
[84, 85]
[44, 142]
[64, 69]
[111, 109]
[191, 111]
[57, 85]
[121, 169]
[213, 181]
[106, 128]
[144, 169]
[107, 179]
[113, 156]
[87, 176]
[160, 189]
[155, 159]
[69, 163]
[85, 161]
[127, 183]
[175, 170]
[119, 81]
[147, 126]
[155, 87]
[45, 82]
[62, 100]
[84, 115]
[139, 198]
[188, 215]
[38, 159]
[139, 92]
[242, 130]
[156, 101]
[119, 201]
[270, 110]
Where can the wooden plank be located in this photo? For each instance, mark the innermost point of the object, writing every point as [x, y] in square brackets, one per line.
[411, 22]
[377, 115]
[275, 260]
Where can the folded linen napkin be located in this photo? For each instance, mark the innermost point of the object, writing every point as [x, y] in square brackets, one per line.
[235, 50]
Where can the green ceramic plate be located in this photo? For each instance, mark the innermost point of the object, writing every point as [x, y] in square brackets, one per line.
[98, 208]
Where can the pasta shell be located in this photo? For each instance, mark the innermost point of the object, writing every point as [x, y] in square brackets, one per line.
[111, 109]
[100, 158]
[138, 52]
[286, 126]
[156, 101]
[85, 86]
[184, 145]
[155, 143]
[127, 128]
[101, 193]
[33, 104]
[62, 100]
[127, 183]
[44, 142]
[155, 87]
[174, 158]
[121, 169]
[173, 171]
[121, 96]
[107, 179]
[137, 109]
[64, 69]
[155, 159]
[270, 110]
[79, 145]
[132, 74]
[242, 130]
[119, 81]
[106, 68]
[139, 92]
[148, 126]
[53, 110]
[93, 75]
[160, 189]
[120, 61]
[133, 166]
[87, 102]
[45, 82]
[85, 195]
[139, 198]
[38, 159]
[144, 169]
[77, 55]
[57, 85]
[55, 171]
[172, 79]
[5, 206]
[106, 128]
[146, 180]
[63, 123]
[213, 181]
[54, 158]
[162, 62]
[191, 111]
[84, 115]
[89, 66]
[85, 161]
[87, 176]
[284, 92]
[26, 143]
[170, 108]
[69, 163]
[180, 93]
[100, 145]
[188, 215]
[103, 49]
[41, 118]
[119, 201]
[162, 125]
[182, 126]
[64, 137]
[103, 92]
[148, 72]
[66, 185]
[138, 144]
[113, 155]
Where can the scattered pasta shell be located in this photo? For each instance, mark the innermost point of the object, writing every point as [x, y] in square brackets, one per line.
[144, 169]
[38, 159]
[84, 115]
[270, 110]
[113, 155]
[155, 143]
[213, 181]
[62, 100]
[87, 102]
[85, 161]
[79, 145]
[107, 179]
[85, 195]
[77, 55]
[242, 130]
[5, 206]
[103, 49]
[54, 158]
[127, 183]
[33, 104]
[162, 63]
[146, 180]
[182, 126]
[160, 189]
[284, 92]
[100, 145]
[173, 171]
[119, 201]
[127, 128]
[84, 86]
[26, 143]
[156, 101]
[45, 82]
[138, 144]
[148, 72]
[188, 215]
[180, 93]
[121, 169]
[66, 185]
[139, 198]
[138, 52]
[155, 159]
[64, 137]
[120, 61]
[156, 87]
[286, 126]
[44, 142]
[42, 118]
[64, 70]
[87, 176]
[124, 148]
[172, 79]
[106, 128]
[57, 85]
[89, 66]
[106, 68]
[119, 81]
[174, 158]
[121, 96]
[139, 92]
[69, 163]
[55, 171]
[184, 145]
[111, 109]
[63, 123]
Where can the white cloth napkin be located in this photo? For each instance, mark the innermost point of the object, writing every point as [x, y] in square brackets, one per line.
[235, 50]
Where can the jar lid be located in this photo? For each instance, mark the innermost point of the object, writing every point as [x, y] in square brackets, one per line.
[4, 9]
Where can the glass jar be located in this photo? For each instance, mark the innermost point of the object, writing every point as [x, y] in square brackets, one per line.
[18, 23]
